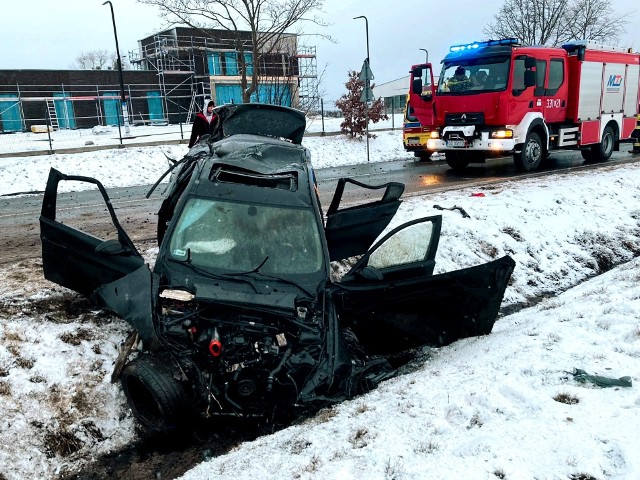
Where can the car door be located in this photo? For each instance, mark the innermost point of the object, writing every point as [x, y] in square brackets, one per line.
[112, 272]
[393, 302]
[350, 231]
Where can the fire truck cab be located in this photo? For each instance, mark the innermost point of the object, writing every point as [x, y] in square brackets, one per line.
[497, 97]
[418, 113]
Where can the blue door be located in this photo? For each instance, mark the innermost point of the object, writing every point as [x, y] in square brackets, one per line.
[154, 104]
[228, 94]
[112, 109]
[64, 111]
[10, 116]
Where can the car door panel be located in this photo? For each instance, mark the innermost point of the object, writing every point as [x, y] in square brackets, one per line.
[75, 259]
[436, 310]
[350, 231]
[392, 300]
[69, 258]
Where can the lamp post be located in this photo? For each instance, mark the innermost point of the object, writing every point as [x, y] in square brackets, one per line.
[426, 60]
[366, 103]
[125, 113]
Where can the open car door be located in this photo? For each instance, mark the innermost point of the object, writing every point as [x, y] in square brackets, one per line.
[112, 272]
[351, 231]
[392, 300]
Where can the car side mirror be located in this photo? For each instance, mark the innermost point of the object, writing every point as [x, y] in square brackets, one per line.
[369, 273]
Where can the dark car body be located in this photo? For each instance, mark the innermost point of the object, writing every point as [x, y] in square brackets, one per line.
[240, 313]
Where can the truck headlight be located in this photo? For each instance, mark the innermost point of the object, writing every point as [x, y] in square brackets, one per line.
[502, 134]
[434, 134]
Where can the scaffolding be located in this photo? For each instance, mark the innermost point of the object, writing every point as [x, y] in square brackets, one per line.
[308, 95]
[168, 54]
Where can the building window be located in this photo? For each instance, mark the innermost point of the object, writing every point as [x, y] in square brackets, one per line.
[215, 66]
[231, 62]
[248, 61]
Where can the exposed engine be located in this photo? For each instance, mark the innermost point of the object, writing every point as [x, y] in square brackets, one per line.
[242, 361]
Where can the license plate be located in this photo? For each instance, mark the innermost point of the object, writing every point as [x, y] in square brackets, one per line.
[413, 141]
[456, 143]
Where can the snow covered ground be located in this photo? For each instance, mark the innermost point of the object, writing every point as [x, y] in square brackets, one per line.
[501, 406]
[140, 134]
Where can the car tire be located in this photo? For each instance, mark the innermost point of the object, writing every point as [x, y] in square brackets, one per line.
[158, 400]
[456, 160]
[601, 152]
[532, 153]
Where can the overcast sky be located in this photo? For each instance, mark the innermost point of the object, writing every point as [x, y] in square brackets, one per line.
[51, 34]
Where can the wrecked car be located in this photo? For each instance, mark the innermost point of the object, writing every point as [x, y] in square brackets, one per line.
[240, 314]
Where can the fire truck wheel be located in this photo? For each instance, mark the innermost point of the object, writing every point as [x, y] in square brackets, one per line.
[587, 155]
[423, 156]
[602, 151]
[531, 155]
[456, 160]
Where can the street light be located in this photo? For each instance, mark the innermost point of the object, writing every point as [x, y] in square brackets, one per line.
[366, 103]
[426, 60]
[125, 114]
[366, 26]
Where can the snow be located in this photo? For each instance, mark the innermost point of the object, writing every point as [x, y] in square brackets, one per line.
[481, 408]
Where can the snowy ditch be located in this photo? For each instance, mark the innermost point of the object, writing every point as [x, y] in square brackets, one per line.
[58, 409]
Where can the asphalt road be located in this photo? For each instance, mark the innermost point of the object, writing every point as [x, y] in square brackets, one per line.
[19, 227]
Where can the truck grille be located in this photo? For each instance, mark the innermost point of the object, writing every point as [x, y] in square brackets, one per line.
[476, 118]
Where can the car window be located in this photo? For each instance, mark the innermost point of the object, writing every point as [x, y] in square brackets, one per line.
[238, 237]
[409, 245]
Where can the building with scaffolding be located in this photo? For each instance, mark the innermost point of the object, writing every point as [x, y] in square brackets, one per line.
[216, 59]
[174, 72]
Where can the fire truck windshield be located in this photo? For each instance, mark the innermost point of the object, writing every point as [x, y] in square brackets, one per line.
[473, 75]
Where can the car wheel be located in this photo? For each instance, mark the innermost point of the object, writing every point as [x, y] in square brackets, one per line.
[157, 399]
[531, 155]
[456, 160]
[602, 151]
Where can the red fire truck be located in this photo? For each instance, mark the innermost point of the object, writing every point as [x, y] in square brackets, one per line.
[418, 115]
[498, 97]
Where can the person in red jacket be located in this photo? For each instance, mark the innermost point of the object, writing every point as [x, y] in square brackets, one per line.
[204, 123]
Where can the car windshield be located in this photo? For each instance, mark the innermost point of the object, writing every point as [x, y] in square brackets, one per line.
[238, 237]
[475, 75]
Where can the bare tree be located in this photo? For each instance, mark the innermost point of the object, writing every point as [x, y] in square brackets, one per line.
[95, 60]
[267, 22]
[552, 22]
[595, 20]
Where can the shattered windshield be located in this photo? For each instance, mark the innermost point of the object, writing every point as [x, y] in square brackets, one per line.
[474, 75]
[238, 237]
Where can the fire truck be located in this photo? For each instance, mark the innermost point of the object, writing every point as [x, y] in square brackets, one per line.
[418, 115]
[498, 97]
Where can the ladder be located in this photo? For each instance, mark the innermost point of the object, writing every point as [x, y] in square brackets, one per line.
[53, 118]
[192, 107]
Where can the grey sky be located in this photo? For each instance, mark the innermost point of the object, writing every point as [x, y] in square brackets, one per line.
[50, 34]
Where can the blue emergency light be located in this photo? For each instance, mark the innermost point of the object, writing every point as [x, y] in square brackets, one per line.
[487, 43]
